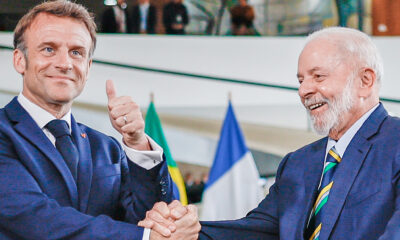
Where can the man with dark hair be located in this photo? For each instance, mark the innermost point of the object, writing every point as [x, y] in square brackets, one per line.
[61, 179]
[242, 17]
[144, 18]
[116, 19]
[175, 17]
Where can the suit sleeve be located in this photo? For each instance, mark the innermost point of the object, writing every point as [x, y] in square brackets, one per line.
[260, 223]
[392, 230]
[143, 188]
[26, 212]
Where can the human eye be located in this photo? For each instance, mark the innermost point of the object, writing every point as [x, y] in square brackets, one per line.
[48, 50]
[319, 76]
[76, 53]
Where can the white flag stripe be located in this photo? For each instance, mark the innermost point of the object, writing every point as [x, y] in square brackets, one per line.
[234, 194]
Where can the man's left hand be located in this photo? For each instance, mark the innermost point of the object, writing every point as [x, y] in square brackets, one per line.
[126, 118]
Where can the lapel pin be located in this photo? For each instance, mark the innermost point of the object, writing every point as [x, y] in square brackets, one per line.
[83, 135]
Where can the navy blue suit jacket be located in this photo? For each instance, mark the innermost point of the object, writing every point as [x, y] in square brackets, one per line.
[363, 204]
[39, 198]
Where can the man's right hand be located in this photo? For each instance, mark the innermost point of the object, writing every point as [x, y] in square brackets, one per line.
[172, 221]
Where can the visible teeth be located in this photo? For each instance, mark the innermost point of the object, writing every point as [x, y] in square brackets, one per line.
[312, 107]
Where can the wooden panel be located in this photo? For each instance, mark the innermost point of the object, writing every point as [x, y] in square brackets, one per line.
[385, 17]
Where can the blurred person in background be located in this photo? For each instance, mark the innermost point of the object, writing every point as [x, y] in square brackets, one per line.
[144, 18]
[242, 17]
[116, 19]
[175, 17]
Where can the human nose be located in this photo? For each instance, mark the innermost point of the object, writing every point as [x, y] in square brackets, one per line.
[307, 88]
[64, 61]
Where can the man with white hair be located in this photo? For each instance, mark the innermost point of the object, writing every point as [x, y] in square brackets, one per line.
[345, 185]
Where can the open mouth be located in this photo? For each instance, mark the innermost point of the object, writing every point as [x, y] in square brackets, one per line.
[315, 106]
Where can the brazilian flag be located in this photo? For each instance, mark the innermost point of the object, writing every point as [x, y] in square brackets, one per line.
[153, 128]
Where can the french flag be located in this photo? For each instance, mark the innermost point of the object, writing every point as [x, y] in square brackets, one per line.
[232, 189]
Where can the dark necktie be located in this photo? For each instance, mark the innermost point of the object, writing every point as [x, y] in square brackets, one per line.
[64, 144]
[315, 225]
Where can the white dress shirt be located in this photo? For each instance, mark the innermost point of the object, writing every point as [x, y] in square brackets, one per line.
[344, 141]
[145, 159]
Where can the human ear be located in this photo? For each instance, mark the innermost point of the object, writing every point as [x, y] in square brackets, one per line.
[367, 81]
[19, 61]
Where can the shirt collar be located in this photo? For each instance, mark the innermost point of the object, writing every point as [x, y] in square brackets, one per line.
[39, 115]
[343, 142]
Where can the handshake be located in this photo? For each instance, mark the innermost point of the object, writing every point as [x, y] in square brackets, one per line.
[173, 221]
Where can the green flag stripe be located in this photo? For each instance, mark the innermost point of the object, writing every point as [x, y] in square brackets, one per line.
[153, 129]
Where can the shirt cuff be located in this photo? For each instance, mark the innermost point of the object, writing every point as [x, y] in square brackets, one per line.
[145, 159]
[146, 234]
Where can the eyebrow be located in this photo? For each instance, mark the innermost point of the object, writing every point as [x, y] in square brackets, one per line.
[47, 43]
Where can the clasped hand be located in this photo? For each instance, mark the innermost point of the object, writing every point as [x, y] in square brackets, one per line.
[172, 221]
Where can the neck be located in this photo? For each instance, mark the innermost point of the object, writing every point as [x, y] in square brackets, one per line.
[58, 110]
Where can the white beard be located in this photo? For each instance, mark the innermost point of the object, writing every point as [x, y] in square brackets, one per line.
[333, 117]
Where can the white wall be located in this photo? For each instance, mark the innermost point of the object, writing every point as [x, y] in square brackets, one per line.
[264, 59]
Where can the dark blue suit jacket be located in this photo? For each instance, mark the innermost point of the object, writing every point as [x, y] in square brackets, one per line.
[363, 204]
[39, 198]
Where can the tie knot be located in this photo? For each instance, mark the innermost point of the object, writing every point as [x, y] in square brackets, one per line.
[58, 128]
[333, 156]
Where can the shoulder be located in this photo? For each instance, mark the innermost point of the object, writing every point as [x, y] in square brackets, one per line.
[4, 120]
[312, 147]
[389, 131]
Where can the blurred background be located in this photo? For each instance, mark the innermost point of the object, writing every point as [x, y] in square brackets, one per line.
[188, 56]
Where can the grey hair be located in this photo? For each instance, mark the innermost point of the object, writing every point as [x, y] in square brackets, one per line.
[353, 43]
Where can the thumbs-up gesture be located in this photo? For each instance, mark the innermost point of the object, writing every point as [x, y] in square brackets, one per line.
[126, 118]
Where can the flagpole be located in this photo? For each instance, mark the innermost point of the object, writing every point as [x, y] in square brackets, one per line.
[229, 96]
[152, 97]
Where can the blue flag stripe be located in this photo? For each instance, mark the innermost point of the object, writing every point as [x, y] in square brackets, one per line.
[231, 147]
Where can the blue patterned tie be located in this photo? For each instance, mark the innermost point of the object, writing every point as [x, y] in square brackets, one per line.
[314, 227]
[64, 144]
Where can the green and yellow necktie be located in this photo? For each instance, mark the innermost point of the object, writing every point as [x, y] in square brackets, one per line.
[315, 224]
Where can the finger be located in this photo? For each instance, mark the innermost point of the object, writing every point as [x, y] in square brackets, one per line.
[177, 209]
[130, 110]
[110, 90]
[123, 101]
[174, 204]
[191, 218]
[162, 209]
[161, 230]
[146, 223]
[192, 208]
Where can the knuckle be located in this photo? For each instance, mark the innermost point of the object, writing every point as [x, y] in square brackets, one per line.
[152, 215]
[159, 205]
[198, 227]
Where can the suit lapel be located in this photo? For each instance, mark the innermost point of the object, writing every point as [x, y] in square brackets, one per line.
[312, 176]
[348, 169]
[27, 127]
[85, 164]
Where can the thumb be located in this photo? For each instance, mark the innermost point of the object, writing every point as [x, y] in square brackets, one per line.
[110, 90]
